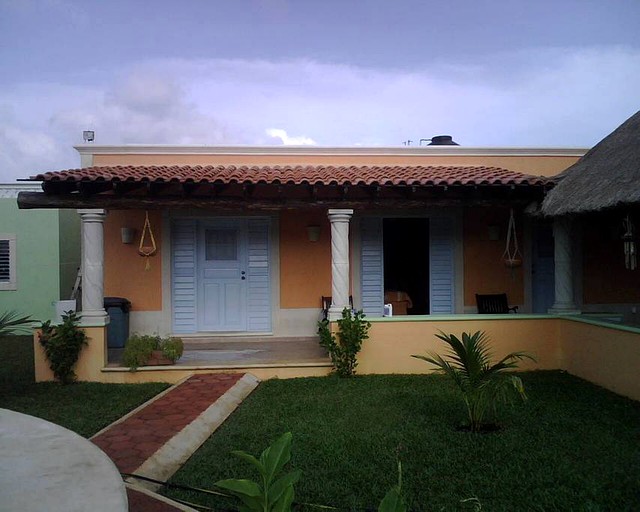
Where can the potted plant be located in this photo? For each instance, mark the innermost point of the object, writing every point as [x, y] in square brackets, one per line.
[150, 350]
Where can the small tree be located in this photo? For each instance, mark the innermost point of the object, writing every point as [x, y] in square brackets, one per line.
[62, 345]
[353, 329]
[481, 383]
[274, 490]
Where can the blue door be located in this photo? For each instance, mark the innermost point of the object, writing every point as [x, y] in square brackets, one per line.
[222, 275]
[542, 268]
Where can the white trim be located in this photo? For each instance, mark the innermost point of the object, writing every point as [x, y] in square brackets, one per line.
[11, 190]
[12, 283]
[160, 149]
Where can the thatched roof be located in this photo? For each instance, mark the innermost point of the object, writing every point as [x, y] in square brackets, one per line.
[608, 175]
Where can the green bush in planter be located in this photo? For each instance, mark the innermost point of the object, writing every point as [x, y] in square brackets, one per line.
[62, 345]
[343, 348]
[172, 348]
[139, 348]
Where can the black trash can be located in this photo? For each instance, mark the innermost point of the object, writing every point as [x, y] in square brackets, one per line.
[118, 329]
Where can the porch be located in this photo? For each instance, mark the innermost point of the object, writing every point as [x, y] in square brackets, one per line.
[231, 352]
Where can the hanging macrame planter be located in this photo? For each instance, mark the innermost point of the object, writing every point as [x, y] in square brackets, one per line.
[511, 256]
[630, 251]
[148, 247]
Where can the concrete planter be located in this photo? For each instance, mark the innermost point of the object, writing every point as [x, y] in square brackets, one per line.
[158, 359]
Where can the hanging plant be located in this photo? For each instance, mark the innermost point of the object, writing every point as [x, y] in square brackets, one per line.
[147, 249]
[512, 256]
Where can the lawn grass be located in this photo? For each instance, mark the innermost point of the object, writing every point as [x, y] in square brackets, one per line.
[572, 446]
[84, 407]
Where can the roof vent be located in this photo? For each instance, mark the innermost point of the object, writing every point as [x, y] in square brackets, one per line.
[442, 140]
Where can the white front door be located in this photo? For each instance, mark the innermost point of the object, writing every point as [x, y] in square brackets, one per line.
[222, 275]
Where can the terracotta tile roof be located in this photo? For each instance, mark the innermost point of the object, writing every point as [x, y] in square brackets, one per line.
[297, 175]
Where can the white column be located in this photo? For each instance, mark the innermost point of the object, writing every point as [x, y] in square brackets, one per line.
[339, 261]
[93, 312]
[564, 303]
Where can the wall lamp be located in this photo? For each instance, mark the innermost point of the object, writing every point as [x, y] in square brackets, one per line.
[313, 232]
[127, 235]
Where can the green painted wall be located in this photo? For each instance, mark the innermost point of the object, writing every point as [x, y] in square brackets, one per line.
[47, 256]
[69, 232]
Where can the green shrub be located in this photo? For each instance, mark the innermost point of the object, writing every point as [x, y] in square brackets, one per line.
[139, 348]
[274, 492]
[394, 500]
[172, 348]
[353, 329]
[12, 323]
[62, 345]
[481, 383]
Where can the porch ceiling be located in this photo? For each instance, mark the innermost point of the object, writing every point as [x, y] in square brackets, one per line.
[279, 186]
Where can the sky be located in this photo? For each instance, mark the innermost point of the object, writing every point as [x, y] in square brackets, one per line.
[560, 73]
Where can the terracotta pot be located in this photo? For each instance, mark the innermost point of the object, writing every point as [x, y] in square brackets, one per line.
[158, 359]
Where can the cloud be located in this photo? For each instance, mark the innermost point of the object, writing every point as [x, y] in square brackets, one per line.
[300, 140]
[559, 97]
[65, 11]
[25, 149]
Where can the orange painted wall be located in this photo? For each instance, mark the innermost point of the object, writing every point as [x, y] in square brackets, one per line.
[392, 342]
[532, 164]
[607, 357]
[605, 279]
[124, 272]
[484, 271]
[305, 267]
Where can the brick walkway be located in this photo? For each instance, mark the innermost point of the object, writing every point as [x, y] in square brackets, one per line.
[135, 439]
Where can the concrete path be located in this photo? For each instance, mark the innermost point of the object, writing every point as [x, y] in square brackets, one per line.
[158, 437]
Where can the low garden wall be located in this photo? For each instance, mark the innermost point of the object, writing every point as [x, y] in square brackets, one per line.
[393, 340]
[606, 354]
[603, 354]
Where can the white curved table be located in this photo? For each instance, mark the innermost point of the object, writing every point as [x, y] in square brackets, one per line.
[47, 467]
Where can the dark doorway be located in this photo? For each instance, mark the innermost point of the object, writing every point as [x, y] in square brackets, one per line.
[406, 260]
[542, 268]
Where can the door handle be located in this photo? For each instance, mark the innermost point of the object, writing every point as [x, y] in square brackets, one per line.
[243, 275]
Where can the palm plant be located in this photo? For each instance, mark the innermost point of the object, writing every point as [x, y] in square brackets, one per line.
[11, 322]
[483, 384]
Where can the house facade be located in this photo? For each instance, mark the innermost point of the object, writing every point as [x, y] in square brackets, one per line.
[248, 240]
[213, 243]
[39, 254]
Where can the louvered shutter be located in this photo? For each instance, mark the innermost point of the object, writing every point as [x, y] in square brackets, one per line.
[183, 275]
[5, 261]
[372, 266]
[441, 265]
[259, 276]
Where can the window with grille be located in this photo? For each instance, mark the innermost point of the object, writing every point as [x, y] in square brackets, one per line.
[7, 262]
